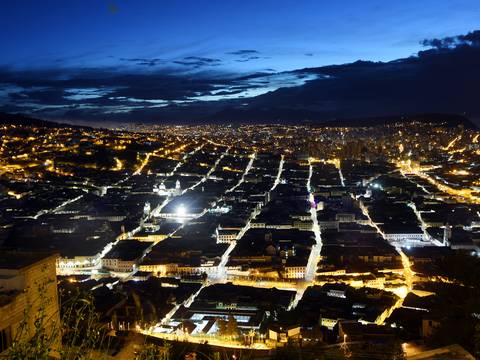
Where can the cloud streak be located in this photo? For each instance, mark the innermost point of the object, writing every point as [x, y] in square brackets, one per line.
[144, 61]
[243, 52]
[198, 62]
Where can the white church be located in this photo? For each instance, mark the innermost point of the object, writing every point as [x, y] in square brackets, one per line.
[163, 191]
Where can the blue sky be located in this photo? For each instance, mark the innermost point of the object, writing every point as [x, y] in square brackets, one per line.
[286, 35]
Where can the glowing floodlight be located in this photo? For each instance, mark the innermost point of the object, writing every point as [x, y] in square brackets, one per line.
[181, 211]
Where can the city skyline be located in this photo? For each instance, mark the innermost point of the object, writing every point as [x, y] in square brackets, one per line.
[255, 239]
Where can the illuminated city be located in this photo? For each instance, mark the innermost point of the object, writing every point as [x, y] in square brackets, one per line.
[220, 217]
[192, 206]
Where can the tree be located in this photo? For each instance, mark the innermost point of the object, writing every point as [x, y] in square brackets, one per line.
[232, 326]
[222, 327]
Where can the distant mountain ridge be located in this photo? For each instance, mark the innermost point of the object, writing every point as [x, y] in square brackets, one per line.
[448, 120]
[21, 119]
[26, 120]
[279, 116]
[300, 116]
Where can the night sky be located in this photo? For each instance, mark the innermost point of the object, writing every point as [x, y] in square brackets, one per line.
[188, 60]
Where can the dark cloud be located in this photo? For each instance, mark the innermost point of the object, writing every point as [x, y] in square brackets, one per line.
[246, 55]
[44, 96]
[250, 58]
[254, 75]
[470, 39]
[143, 61]
[197, 61]
[243, 52]
[95, 93]
[436, 81]
[309, 54]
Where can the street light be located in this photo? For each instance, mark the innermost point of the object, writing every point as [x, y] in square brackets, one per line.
[181, 211]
